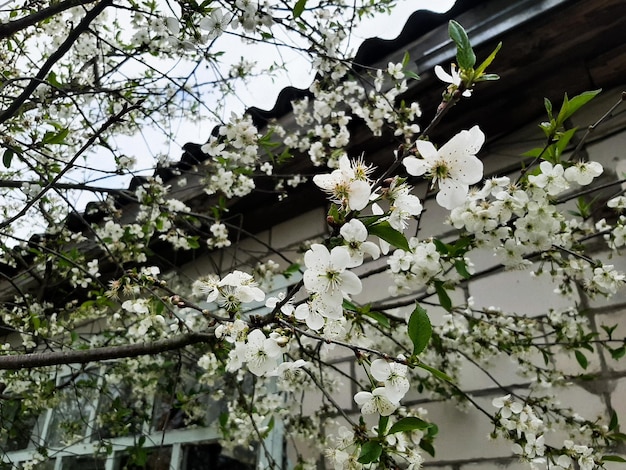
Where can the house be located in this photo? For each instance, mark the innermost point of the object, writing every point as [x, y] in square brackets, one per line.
[549, 47]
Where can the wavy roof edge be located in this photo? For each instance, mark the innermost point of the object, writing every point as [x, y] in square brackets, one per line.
[370, 52]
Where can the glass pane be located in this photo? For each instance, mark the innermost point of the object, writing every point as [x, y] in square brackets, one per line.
[146, 459]
[70, 418]
[212, 457]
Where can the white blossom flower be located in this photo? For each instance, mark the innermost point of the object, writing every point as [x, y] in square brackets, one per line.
[355, 234]
[507, 406]
[453, 78]
[583, 173]
[312, 317]
[216, 24]
[348, 185]
[393, 375]
[618, 203]
[326, 273]
[551, 179]
[261, 353]
[453, 167]
[376, 401]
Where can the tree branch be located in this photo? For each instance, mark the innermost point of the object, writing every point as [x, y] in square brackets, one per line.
[53, 59]
[12, 27]
[112, 120]
[26, 361]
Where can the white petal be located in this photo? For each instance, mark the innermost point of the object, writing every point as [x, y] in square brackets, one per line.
[350, 283]
[426, 149]
[315, 321]
[443, 75]
[451, 194]
[468, 171]
[370, 248]
[362, 397]
[339, 258]
[415, 166]
[380, 370]
[317, 257]
[359, 195]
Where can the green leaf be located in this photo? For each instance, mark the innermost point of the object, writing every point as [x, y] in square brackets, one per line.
[442, 248]
[370, 452]
[613, 458]
[444, 298]
[409, 424]
[488, 77]
[55, 137]
[420, 330]
[481, 68]
[436, 372]
[382, 425]
[299, 8]
[582, 359]
[428, 447]
[386, 232]
[291, 270]
[381, 319]
[411, 74]
[617, 436]
[548, 104]
[464, 53]
[193, 242]
[461, 268]
[569, 107]
[405, 59]
[618, 353]
[7, 157]
[614, 422]
[52, 80]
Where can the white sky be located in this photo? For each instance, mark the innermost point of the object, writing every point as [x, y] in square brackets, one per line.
[263, 91]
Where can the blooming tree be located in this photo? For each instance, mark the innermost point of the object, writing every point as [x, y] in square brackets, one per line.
[92, 306]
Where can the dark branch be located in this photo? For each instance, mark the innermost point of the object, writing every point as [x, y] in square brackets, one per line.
[53, 59]
[27, 361]
[12, 27]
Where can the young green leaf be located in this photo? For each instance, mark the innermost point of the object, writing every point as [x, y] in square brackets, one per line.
[370, 452]
[389, 234]
[408, 424]
[614, 423]
[420, 329]
[487, 62]
[444, 298]
[7, 157]
[381, 319]
[569, 107]
[582, 359]
[382, 425]
[436, 372]
[464, 53]
[299, 8]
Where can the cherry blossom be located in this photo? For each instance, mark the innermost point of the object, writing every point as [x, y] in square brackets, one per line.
[453, 78]
[378, 400]
[393, 375]
[453, 167]
[261, 353]
[326, 273]
[348, 185]
[355, 234]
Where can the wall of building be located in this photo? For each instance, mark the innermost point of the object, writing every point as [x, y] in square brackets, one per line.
[463, 441]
